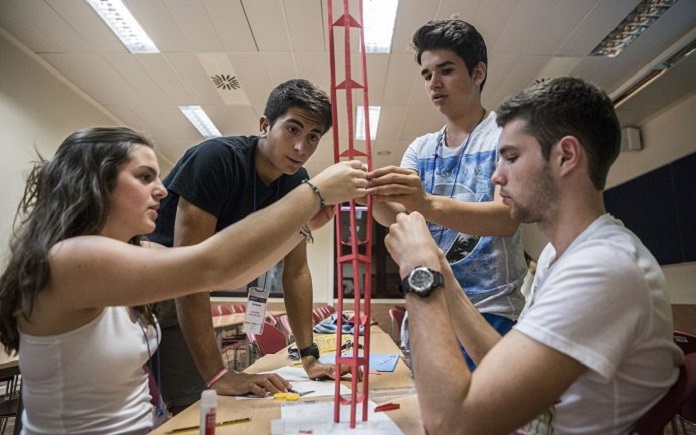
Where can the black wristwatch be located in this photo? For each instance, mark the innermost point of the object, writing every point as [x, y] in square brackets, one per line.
[311, 350]
[421, 281]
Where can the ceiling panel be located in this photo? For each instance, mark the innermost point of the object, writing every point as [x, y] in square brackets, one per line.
[608, 73]
[268, 24]
[231, 25]
[391, 121]
[677, 21]
[265, 42]
[597, 23]
[280, 67]
[129, 117]
[94, 75]
[564, 17]
[410, 15]
[306, 24]
[162, 73]
[315, 68]
[402, 72]
[40, 27]
[464, 9]
[377, 67]
[189, 69]
[492, 17]
[521, 75]
[252, 76]
[80, 17]
[195, 24]
[158, 22]
[525, 20]
[419, 120]
[137, 77]
[234, 120]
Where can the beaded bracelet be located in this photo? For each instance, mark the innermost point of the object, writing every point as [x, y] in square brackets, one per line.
[216, 378]
[322, 203]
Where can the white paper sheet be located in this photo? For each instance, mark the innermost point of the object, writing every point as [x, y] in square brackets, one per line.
[318, 418]
[302, 384]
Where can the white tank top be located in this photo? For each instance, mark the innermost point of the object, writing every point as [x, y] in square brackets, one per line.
[88, 380]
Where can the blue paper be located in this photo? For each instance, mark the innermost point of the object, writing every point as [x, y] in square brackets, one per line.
[381, 362]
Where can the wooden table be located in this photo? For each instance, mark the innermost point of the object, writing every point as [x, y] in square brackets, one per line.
[397, 386]
[228, 321]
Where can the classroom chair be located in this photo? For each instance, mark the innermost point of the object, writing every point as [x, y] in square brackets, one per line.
[654, 421]
[687, 415]
[397, 319]
[270, 341]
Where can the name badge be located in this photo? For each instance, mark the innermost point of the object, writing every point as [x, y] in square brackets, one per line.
[256, 310]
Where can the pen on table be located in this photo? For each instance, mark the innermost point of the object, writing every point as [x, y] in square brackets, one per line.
[222, 423]
[303, 393]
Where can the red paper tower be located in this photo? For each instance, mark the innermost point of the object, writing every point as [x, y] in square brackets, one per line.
[359, 252]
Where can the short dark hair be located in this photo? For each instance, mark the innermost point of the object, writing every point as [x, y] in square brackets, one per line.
[299, 93]
[569, 106]
[456, 35]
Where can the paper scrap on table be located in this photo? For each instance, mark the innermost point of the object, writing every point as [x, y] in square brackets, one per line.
[382, 362]
[317, 417]
[301, 383]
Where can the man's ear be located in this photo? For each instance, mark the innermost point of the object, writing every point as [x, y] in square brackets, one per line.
[479, 73]
[570, 153]
[264, 126]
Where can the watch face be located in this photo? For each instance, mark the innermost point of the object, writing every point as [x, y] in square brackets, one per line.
[421, 279]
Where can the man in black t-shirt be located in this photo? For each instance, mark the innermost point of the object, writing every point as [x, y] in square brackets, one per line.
[214, 185]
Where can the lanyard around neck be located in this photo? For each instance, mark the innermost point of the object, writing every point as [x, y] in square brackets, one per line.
[254, 283]
[438, 148]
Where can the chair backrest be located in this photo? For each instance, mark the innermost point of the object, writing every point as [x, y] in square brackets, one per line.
[220, 310]
[397, 318]
[686, 341]
[324, 311]
[654, 421]
[238, 308]
[284, 322]
[316, 317]
[271, 318]
[271, 341]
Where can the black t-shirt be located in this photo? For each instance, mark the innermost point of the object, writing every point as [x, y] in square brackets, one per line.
[219, 176]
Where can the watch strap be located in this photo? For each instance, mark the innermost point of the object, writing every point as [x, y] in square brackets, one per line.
[311, 350]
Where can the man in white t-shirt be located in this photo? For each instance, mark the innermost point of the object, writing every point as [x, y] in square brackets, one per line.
[592, 350]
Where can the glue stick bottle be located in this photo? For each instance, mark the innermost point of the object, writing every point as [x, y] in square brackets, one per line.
[208, 412]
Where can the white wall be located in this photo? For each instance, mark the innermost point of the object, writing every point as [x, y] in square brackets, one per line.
[666, 138]
[37, 111]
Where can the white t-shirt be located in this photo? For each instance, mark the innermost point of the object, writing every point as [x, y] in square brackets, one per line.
[604, 303]
[89, 380]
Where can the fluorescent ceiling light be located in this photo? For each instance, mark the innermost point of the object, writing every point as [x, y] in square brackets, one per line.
[635, 23]
[200, 120]
[360, 122]
[379, 17]
[117, 16]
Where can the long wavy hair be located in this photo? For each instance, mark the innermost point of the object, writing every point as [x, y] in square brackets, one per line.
[66, 196]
